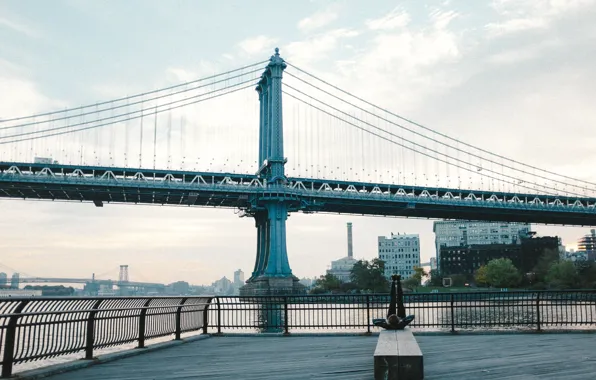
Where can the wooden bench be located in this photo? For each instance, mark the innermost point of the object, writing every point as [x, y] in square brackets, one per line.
[398, 356]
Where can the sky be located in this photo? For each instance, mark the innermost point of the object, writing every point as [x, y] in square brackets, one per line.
[514, 77]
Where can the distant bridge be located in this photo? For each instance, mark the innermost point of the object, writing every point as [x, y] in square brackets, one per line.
[131, 284]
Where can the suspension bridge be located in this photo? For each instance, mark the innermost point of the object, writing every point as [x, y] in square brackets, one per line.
[326, 151]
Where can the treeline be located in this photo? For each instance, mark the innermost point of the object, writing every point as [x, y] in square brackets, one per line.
[52, 291]
[365, 277]
[549, 273]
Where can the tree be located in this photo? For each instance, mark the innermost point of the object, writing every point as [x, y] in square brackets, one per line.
[52, 291]
[411, 283]
[435, 278]
[370, 276]
[562, 275]
[415, 280]
[544, 263]
[587, 273]
[501, 273]
[328, 283]
[480, 276]
[419, 272]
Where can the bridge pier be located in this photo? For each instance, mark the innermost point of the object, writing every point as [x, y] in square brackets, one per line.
[272, 273]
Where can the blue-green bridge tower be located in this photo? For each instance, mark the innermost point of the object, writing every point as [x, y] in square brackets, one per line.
[272, 273]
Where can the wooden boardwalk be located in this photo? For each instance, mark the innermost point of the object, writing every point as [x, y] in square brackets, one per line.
[507, 356]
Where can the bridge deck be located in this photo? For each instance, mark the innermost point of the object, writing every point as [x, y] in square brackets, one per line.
[507, 356]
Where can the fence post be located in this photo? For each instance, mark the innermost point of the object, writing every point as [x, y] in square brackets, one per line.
[178, 313]
[218, 316]
[90, 341]
[206, 315]
[9, 340]
[142, 318]
[452, 314]
[538, 310]
[367, 314]
[286, 322]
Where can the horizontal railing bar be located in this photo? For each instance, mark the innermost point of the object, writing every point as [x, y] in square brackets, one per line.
[96, 310]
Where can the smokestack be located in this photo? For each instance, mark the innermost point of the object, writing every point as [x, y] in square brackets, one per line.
[350, 251]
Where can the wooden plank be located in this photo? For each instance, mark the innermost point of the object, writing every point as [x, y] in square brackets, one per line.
[462, 357]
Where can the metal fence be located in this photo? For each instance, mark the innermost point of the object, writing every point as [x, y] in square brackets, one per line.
[40, 328]
[433, 311]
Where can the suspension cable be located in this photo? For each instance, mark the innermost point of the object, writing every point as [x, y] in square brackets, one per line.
[424, 136]
[432, 130]
[141, 111]
[127, 119]
[135, 96]
[415, 150]
[128, 104]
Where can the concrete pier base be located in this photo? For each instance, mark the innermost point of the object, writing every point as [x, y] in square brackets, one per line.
[267, 286]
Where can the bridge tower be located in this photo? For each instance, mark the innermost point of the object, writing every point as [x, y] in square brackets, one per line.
[271, 273]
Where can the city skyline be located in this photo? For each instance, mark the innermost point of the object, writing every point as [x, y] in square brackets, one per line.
[466, 70]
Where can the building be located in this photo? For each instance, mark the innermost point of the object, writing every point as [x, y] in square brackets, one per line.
[433, 263]
[468, 233]
[238, 278]
[3, 280]
[5, 293]
[401, 254]
[466, 260]
[14, 281]
[573, 255]
[223, 286]
[342, 268]
[587, 245]
[308, 282]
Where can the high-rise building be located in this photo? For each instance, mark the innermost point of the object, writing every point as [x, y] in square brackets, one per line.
[14, 281]
[467, 233]
[239, 277]
[401, 253]
[587, 244]
[342, 268]
[3, 280]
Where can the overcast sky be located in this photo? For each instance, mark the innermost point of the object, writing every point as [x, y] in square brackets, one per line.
[512, 76]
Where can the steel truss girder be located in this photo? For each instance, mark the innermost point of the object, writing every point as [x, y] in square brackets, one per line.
[306, 195]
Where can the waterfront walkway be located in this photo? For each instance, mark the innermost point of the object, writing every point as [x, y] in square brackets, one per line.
[499, 356]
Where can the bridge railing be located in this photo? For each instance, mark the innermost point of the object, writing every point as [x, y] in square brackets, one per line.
[41, 328]
[433, 311]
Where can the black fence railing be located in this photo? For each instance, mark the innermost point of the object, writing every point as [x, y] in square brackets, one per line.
[439, 311]
[41, 328]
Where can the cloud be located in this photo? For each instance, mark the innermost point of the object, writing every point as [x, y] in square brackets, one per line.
[395, 19]
[317, 20]
[257, 45]
[317, 47]
[527, 15]
[24, 97]
[19, 27]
